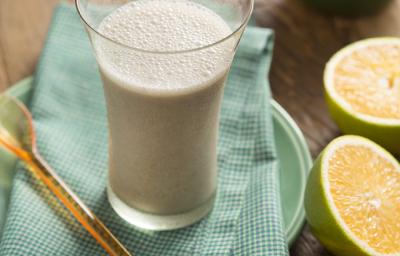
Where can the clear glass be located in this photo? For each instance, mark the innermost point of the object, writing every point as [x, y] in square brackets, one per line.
[163, 134]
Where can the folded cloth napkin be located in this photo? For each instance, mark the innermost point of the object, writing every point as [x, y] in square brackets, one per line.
[69, 115]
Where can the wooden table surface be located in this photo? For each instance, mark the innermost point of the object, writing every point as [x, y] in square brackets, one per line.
[305, 40]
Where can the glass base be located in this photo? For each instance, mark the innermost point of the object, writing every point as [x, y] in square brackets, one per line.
[154, 222]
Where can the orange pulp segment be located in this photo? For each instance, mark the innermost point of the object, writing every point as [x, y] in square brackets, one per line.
[368, 79]
[365, 189]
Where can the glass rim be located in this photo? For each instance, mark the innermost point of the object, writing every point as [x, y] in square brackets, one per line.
[242, 25]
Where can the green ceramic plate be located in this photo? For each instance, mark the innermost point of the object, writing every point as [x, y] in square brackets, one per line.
[293, 153]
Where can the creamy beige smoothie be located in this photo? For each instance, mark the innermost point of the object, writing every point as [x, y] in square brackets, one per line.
[163, 106]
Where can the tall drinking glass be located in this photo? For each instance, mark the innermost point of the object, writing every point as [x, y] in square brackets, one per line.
[163, 64]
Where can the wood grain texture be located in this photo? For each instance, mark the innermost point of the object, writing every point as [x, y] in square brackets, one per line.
[305, 40]
[3, 74]
[23, 26]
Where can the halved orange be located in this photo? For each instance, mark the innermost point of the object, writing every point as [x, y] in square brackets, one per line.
[352, 198]
[362, 85]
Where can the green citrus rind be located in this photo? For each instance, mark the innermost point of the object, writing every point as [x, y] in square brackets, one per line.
[321, 214]
[385, 134]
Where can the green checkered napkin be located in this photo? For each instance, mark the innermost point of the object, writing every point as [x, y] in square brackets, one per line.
[69, 113]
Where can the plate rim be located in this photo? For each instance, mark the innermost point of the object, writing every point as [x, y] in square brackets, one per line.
[298, 140]
[280, 115]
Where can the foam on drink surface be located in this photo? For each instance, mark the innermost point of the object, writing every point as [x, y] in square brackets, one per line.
[164, 26]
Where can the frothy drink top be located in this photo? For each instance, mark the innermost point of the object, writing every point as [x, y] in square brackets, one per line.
[159, 27]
